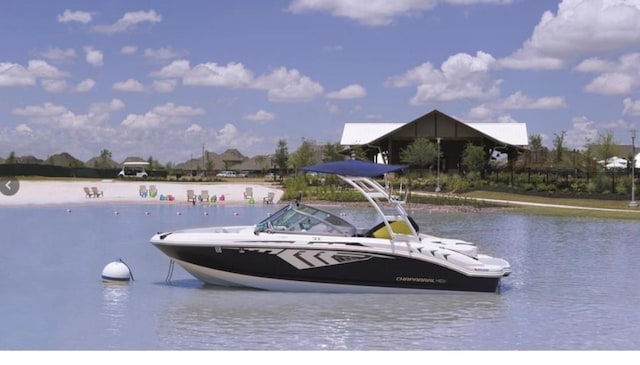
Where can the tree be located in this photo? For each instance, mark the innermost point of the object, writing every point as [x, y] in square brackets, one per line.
[303, 155]
[331, 152]
[153, 164]
[282, 156]
[558, 143]
[420, 153]
[261, 161]
[473, 158]
[169, 166]
[12, 158]
[104, 159]
[606, 147]
[358, 152]
[209, 165]
[535, 145]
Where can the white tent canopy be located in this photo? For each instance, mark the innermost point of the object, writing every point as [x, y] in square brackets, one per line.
[614, 162]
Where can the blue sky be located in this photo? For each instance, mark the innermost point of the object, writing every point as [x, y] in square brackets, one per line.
[164, 78]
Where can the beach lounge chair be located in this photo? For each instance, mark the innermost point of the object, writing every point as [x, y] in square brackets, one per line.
[191, 196]
[248, 192]
[88, 192]
[153, 191]
[143, 191]
[96, 193]
[269, 198]
[204, 196]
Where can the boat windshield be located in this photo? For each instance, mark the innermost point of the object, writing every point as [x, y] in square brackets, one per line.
[305, 219]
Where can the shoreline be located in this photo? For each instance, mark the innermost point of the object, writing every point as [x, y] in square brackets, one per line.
[70, 193]
[60, 192]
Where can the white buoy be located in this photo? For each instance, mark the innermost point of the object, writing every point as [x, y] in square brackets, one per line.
[116, 271]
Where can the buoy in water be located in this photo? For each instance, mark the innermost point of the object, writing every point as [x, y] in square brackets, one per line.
[116, 271]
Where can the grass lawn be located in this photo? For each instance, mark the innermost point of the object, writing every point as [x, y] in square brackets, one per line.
[620, 208]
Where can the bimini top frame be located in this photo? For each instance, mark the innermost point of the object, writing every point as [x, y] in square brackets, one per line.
[360, 174]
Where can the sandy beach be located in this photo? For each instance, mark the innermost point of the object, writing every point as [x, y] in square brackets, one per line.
[46, 192]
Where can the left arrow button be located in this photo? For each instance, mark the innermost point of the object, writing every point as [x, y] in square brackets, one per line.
[9, 185]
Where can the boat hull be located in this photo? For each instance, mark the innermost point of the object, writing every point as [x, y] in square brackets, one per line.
[320, 270]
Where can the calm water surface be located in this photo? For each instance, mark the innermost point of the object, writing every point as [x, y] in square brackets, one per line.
[574, 287]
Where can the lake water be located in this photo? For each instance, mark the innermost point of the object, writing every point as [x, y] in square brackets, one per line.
[574, 287]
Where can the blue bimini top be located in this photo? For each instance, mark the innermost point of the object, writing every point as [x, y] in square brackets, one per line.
[353, 168]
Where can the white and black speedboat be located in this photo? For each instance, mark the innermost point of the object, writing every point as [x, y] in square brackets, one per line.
[307, 249]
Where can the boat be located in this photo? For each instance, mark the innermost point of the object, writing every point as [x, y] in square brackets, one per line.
[302, 248]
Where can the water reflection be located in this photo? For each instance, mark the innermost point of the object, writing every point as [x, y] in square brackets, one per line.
[114, 306]
[227, 319]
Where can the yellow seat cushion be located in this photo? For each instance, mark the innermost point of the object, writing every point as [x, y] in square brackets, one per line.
[397, 227]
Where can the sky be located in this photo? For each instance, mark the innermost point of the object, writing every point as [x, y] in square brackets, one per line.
[165, 79]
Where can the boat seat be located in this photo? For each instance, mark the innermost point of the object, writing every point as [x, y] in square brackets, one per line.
[380, 230]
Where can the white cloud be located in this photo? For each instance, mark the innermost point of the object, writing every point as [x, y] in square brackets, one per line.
[129, 50]
[631, 107]
[481, 112]
[520, 101]
[46, 110]
[284, 85]
[162, 54]
[461, 76]
[332, 108]
[129, 21]
[116, 104]
[161, 116]
[59, 86]
[370, 12]
[85, 85]
[93, 56]
[172, 110]
[582, 132]
[579, 28]
[54, 85]
[194, 128]
[353, 91]
[75, 16]
[129, 85]
[138, 121]
[615, 78]
[165, 86]
[12, 74]
[59, 117]
[41, 68]
[175, 69]
[23, 128]
[233, 75]
[59, 54]
[227, 133]
[260, 115]
[377, 12]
